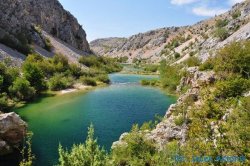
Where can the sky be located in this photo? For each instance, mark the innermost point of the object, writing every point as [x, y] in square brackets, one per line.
[123, 18]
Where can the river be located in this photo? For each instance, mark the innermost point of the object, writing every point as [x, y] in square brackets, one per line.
[112, 110]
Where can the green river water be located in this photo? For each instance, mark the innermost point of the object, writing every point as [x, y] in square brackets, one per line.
[113, 110]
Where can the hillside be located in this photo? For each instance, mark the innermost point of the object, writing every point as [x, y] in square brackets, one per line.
[176, 44]
[33, 25]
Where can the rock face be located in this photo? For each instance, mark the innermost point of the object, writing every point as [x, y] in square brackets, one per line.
[12, 132]
[21, 16]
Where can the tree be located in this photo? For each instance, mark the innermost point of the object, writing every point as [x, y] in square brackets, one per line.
[88, 154]
[22, 90]
[34, 75]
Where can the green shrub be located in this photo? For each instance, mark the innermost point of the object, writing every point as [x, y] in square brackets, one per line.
[151, 68]
[234, 58]
[207, 65]
[221, 23]
[177, 55]
[232, 88]
[34, 74]
[236, 14]
[22, 90]
[103, 78]
[145, 82]
[192, 61]
[169, 76]
[20, 46]
[179, 120]
[221, 33]
[87, 154]
[4, 106]
[48, 46]
[59, 82]
[88, 81]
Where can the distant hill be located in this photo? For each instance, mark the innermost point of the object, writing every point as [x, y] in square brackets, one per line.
[177, 43]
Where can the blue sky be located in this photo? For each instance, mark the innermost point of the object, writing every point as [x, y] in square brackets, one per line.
[123, 18]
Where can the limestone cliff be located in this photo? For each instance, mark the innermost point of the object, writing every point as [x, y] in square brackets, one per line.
[22, 16]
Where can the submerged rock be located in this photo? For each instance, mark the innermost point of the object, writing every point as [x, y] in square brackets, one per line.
[12, 132]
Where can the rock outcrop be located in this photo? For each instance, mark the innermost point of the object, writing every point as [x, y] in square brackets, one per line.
[22, 16]
[12, 132]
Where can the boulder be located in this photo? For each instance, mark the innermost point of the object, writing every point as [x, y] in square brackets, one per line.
[12, 132]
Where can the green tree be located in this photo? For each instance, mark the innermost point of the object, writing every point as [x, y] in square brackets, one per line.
[34, 74]
[22, 90]
[88, 154]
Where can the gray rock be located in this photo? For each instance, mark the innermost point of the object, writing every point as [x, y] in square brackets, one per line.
[12, 132]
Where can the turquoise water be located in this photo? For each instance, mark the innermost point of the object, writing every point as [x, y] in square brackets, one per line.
[113, 110]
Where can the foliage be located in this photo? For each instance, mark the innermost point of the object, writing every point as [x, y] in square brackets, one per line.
[48, 46]
[169, 76]
[232, 87]
[26, 151]
[234, 58]
[192, 61]
[221, 33]
[221, 23]
[59, 82]
[4, 106]
[149, 82]
[109, 65]
[151, 68]
[34, 75]
[236, 14]
[22, 90]
[179, 120]
[207, 65]
[103, 78]
[177, 55]
[88, 81]
[20, 43]
[87, 154]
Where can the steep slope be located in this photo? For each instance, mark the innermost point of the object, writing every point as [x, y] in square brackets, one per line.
[176, 44]
[23, 24]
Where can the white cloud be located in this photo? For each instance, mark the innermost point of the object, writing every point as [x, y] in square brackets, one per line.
[182, 2]
[232, 2]
[205, 11]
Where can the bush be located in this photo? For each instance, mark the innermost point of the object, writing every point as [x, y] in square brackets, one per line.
[34, 74]
[151, 68]
[4, 106]
[232, 87]
[179, 120]
[103, 78]
[59, 82]
[192, 61]
[88, 81]
[22, 90]
[234, 58]
[177, 55]
[221, 23]
[236, 14]
[169, 76]
[85, 154]
[207, 65]
[221, 33]
[149, 82]
[48, 46]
